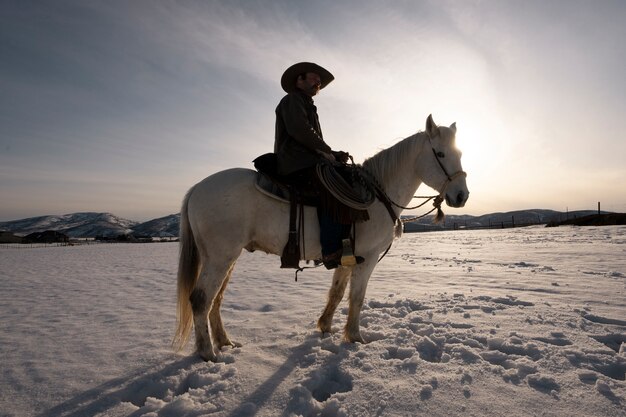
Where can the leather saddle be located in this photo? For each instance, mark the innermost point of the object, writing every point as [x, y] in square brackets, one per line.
[269, 182]
[300, 192]
[285, 189]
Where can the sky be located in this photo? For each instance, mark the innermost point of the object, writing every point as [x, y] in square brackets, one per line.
[118, 106]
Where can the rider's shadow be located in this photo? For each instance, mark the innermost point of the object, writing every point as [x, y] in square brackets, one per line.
[325, 378]
[128, 388]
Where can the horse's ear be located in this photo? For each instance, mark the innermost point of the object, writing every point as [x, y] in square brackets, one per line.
[431, 128]
[453, 128]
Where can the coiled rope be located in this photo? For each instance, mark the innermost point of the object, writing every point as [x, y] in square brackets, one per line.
[358, 196]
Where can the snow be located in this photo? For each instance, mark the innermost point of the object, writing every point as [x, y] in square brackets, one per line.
[513, 322]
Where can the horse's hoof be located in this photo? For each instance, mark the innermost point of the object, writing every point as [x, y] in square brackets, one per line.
[355, 339]
[208, 356]
[325, 335]
[229, 344]
[324, 329]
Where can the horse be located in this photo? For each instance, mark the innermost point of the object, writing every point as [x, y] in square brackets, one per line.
[225, 213]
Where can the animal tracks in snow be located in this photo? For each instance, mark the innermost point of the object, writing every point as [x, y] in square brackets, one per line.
[325, 379]
[521, 322]
[193, 390]
[443, 332]
[409, 337]
[453, 341]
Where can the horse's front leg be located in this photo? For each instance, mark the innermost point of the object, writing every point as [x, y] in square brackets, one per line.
[335, 295]
[358, 285]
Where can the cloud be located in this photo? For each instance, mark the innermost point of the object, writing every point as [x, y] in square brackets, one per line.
[157, 95]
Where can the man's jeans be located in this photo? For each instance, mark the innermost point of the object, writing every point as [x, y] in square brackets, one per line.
[331, 233]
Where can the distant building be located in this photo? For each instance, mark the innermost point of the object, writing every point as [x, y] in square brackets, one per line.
[49, 236]
[124, 238]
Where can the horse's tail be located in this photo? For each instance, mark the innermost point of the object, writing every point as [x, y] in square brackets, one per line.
[188, 269]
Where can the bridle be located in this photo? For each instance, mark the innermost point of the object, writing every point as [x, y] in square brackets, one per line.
[438, 199]
[449, 178]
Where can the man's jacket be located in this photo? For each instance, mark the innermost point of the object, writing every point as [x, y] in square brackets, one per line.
[298, 134]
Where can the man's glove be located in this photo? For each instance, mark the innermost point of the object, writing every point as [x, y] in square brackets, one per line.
[341, 156]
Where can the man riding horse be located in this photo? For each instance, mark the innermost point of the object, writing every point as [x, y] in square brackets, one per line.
[300, 147]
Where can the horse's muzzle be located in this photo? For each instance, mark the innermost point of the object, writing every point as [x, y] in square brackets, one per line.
[457, 201]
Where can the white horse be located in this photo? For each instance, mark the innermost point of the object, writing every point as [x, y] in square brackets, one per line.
[225, 213]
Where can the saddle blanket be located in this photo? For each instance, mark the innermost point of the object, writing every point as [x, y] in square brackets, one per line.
[271, 188]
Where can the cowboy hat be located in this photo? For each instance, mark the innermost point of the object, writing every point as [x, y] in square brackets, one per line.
[290, 76]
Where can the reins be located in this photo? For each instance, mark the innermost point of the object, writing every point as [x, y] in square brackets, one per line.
[436, 206]
[388, 203]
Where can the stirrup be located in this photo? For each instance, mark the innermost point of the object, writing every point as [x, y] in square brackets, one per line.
[347, 256]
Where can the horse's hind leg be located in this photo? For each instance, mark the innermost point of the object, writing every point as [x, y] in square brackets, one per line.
[335, 295]
[209, 283]
[220, 338]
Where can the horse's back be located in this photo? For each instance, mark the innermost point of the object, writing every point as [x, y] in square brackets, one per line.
[228, 205]
[228, 209]
[229, 178]
[232, 187]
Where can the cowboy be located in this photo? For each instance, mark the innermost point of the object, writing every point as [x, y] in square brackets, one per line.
[300, 146]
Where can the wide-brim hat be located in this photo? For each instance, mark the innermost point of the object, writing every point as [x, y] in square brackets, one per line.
[290, 76]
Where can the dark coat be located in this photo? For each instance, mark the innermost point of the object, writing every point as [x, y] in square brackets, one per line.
[298, 134]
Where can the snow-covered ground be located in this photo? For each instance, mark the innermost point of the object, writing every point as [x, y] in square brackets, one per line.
[517, 322]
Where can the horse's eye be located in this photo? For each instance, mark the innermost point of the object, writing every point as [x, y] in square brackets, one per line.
[441, 154]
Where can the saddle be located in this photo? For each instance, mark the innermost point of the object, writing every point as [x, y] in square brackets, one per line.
[277, 186]
[283, 188]
[347, 200]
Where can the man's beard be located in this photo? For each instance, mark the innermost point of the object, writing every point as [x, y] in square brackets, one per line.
[312, 90]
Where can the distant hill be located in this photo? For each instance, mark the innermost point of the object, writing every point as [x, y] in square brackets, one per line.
[82, 225]
[593, 220]
[494, 220]
[74, 225]
[162, 227]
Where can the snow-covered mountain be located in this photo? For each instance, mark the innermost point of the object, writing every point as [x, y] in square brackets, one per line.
[81, 225]
[162, 227]
[73, 225]
[106, 224]
[508, 219]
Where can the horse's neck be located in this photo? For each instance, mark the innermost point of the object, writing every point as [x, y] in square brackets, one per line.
[396, 169]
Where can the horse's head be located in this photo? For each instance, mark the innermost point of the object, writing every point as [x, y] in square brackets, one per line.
[442, 168]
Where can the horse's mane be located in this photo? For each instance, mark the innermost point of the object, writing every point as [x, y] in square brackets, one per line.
[385, 163]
